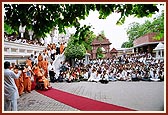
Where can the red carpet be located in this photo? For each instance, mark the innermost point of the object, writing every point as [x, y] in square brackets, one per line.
[33, 85]
[81, 103]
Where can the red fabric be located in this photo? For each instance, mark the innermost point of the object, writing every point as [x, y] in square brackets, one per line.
[33, 85]
[81, 103]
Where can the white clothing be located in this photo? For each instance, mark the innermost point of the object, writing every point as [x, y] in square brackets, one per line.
[53, 51]
[51, 67]
[97, 77]
[85, 75]
[10, 105]
[10, 90]
[105, 77]
[92, 76]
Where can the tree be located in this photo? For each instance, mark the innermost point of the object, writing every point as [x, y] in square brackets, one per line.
[135, 30]
[99, 53]
[127, 44]
[74, 50]
[80, 42]
[8, 29]
[41, 18]
[158, 26]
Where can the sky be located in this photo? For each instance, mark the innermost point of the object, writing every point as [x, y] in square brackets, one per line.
[115, 33]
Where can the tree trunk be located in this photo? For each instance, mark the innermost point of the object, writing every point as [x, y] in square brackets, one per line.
[72, 60]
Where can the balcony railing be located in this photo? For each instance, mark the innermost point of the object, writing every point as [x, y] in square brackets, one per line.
[12, 49]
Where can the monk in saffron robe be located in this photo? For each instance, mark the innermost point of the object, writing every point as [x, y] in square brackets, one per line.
[35, 71]
[27, 78]
[19, 84]
[29, 62]
[45, 67]
[61, 48]
[19, 81]
[40, 77]
[40, 59]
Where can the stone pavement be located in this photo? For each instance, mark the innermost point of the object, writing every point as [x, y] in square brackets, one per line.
[141, 96]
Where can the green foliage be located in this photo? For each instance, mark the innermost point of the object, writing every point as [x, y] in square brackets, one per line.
[99, 53]
[84, 36]
[74, 49]
[158, 26]
[137, 10]
[8, 29]
[136, 30]
[41, 18]
[79, 43]
[100, 38]
[127, 44]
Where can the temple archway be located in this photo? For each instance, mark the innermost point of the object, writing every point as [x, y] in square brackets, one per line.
[100, 53]
[100, 43]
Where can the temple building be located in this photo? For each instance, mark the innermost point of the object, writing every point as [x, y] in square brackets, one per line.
[146, 43]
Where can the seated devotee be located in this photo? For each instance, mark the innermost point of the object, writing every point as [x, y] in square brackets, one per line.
[68, 77]
[161, 75]
[60, 77]
[92, 75]
[98, 76]
[63, 66]
[146, 76]
[112, 76]
[123, 75]
[42, 78]
[128, 76]
[104, 78]
[85, 75]
[39, 77]
[134, 75]
[154, 76]
[75, 74]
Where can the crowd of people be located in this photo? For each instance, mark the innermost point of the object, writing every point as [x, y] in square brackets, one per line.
[40, 68]
[13, 38]
[20, 79]
[138, 67]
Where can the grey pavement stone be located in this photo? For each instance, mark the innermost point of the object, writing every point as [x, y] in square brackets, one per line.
[141, 96]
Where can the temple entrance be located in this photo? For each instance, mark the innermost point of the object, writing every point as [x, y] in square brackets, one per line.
[100, 48]
[100, 54]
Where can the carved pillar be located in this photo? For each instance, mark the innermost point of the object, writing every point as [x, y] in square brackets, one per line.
[31, 34]
[52, 34]
[22, 30]
[94, 52]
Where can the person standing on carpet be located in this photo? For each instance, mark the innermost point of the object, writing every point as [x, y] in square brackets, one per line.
[10, 90]
[27, 79]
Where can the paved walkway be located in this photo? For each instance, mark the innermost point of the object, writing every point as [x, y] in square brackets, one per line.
[141, 96]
